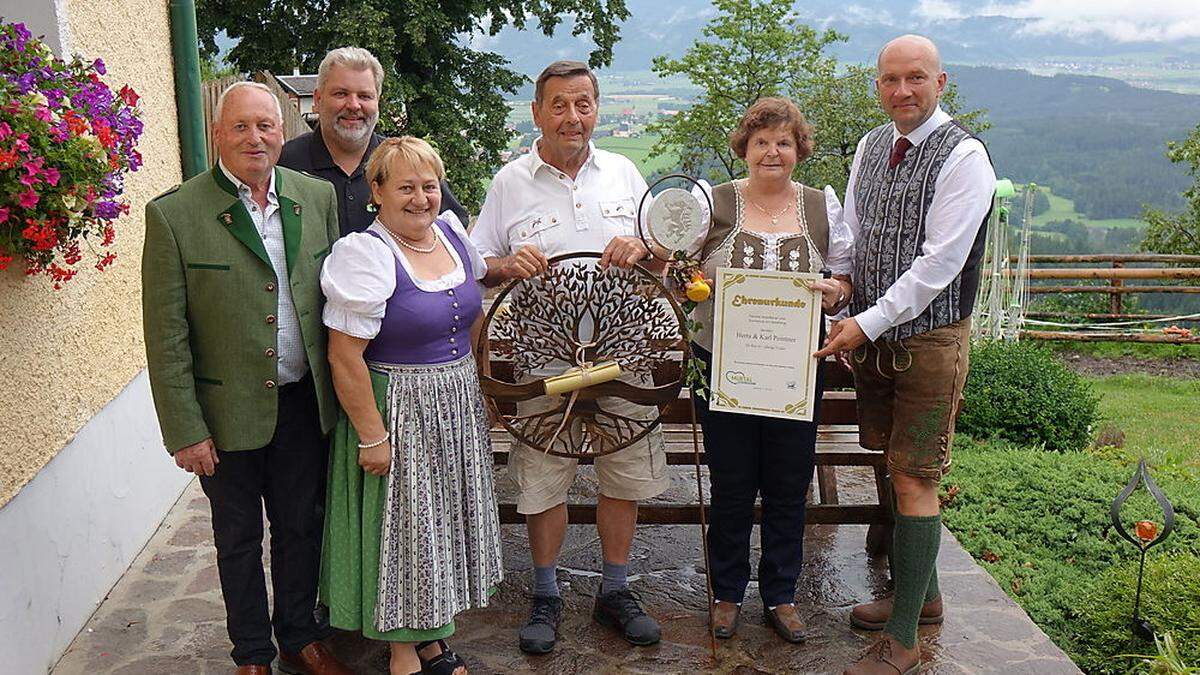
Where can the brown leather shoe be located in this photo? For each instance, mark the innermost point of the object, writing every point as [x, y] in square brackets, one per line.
[874, 615]
[254, 670]
[888, 657]
[315, 659]
[786, 621]
[725, 618]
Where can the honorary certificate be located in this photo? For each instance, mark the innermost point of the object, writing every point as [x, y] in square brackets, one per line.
[766, 326]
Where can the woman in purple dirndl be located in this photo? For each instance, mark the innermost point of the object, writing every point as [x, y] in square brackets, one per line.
[412, 536]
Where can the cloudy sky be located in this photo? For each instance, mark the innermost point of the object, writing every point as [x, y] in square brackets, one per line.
[1119, 20]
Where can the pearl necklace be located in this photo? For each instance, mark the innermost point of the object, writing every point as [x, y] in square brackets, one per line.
[400, 240]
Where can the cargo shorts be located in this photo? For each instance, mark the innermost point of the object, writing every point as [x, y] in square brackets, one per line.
[909, 393]
[635, 473]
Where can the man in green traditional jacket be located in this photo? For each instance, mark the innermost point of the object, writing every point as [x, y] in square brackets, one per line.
[231, 301]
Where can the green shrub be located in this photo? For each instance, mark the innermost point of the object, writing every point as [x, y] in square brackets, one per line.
[1021, 392]
[1170, 602]
[1038, 522]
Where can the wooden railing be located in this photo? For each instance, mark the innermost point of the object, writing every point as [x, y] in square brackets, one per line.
[1117, 271]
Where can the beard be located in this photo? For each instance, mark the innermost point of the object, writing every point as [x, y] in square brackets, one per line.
[356, 136]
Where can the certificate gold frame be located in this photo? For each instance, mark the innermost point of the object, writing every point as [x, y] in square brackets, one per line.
[766, 326]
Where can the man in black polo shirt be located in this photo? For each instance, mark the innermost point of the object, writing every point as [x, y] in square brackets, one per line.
[346, 100]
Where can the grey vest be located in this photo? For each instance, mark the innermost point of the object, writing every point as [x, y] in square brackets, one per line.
[891, 205]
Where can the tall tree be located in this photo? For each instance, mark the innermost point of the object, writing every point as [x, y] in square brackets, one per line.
[756, 48]
[1178, 233]
[437, 86]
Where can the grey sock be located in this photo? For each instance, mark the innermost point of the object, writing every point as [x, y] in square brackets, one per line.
[614, 577]
[545, 581]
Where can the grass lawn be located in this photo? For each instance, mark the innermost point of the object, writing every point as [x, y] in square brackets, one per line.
[1038, 521]
[1160, 417]
[1062, 208]
[638, 151]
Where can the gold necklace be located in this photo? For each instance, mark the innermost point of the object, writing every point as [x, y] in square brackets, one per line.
[400, 240]
[773, 216]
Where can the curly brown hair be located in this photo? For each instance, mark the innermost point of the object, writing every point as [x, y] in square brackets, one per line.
[772, 113]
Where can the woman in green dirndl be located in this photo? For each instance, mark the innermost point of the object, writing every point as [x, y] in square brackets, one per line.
[412, 536]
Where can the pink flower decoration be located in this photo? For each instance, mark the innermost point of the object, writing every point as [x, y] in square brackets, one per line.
[51, 175]
[42, 113]
[5, 130]
[28, 199]
[3, 214]
[33, 168]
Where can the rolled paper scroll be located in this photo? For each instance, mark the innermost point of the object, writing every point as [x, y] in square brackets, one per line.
[580, 378]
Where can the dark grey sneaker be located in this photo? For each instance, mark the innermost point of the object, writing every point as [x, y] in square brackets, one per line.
[538, 635]
[620, 609]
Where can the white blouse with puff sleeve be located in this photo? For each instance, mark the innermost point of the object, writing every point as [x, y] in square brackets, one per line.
[359, 277]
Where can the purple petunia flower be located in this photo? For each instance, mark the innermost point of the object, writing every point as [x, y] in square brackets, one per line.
[26, 83]
[107, 210]
[99, 66]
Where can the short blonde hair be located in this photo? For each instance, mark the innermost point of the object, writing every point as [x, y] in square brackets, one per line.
[407, 151]
[354, 58]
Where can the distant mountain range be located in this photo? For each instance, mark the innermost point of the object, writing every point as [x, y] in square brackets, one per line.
[1097, 140]
[655, 28]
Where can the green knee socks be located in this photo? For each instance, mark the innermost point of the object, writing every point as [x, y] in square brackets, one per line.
[914, 552]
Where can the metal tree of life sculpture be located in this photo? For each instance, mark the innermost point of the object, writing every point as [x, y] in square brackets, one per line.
[573, 348]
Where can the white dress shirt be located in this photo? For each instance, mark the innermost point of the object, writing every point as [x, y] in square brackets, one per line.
[292, 361]
[533, 203]
[359, 276]
[962, 196]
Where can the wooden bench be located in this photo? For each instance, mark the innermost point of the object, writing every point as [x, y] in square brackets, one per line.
[837, 445]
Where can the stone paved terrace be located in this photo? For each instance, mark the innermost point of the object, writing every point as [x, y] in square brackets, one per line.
[165, 615]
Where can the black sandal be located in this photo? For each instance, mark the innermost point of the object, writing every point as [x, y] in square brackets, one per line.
[444, 663]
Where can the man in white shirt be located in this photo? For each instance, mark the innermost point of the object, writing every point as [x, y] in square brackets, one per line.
[918, 246]
[567, 196]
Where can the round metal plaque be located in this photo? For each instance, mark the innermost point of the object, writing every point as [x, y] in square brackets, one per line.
[675, 223]
[676, 220]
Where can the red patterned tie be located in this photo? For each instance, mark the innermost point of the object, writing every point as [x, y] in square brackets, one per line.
[898, 151]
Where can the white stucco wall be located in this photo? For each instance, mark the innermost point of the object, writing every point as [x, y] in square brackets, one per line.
[84, 479]
[73, 530]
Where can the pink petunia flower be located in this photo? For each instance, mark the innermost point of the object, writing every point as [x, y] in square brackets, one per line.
[51, 175]
[3, 214]
[5, 130]
[33, 170]
[28, 199]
